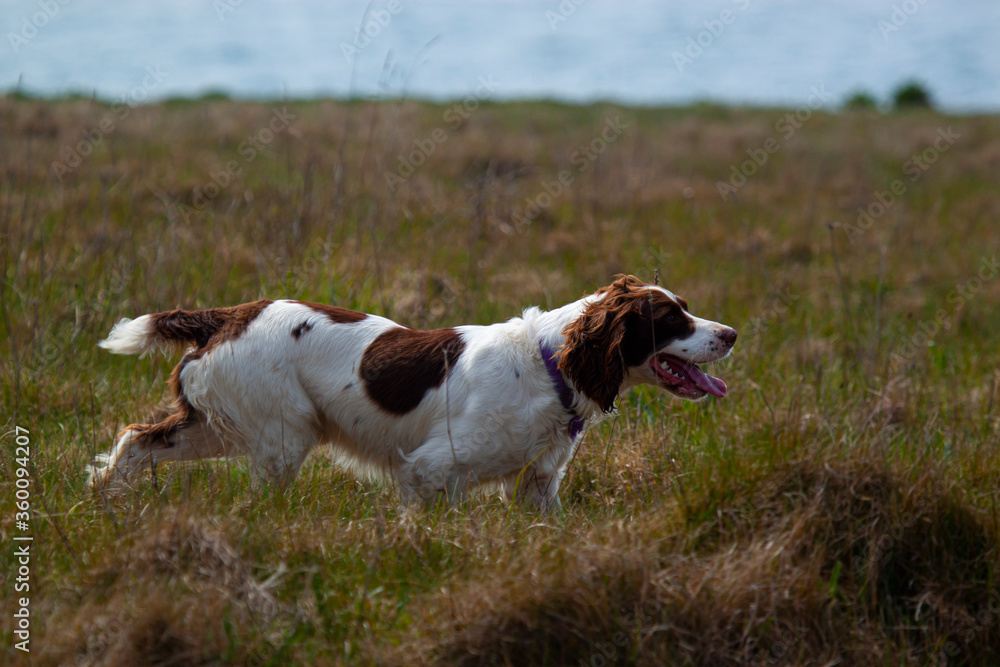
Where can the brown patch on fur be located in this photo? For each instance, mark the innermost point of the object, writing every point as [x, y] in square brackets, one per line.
[182, 413]
[207, 329]
[401, 365]
[336, 314]
[214, 325]
[617, 332]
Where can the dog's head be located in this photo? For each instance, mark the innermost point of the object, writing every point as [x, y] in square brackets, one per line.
[639, 333]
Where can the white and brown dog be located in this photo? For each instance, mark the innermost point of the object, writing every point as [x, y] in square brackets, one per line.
[438, 411]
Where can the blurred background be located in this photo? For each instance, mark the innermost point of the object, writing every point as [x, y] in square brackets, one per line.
[823, 176]
[756, 52]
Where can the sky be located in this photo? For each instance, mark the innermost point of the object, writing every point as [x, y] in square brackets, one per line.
[757, 52]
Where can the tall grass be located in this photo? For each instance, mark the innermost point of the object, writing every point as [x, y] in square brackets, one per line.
[838, 505]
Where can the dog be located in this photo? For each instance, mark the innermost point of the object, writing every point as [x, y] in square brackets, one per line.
[437, 411]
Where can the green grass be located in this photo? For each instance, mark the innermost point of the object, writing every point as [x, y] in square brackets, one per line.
[838, 504]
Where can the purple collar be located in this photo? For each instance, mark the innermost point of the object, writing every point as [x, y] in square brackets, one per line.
[562, 389]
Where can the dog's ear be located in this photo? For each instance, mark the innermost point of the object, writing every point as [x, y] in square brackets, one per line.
[592, 356]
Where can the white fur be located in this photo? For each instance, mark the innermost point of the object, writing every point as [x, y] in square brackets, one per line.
[496, 418]
[130, 337]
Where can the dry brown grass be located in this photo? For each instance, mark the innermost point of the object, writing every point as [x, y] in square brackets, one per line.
[838, 507]
[819, 564]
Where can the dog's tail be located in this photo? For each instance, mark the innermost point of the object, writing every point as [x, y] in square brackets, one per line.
[138, 336]
[166, 331]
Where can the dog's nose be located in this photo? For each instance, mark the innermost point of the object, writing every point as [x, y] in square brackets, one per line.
[728, 336]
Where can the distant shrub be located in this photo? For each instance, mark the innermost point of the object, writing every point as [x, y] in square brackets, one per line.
[16, 94]
[180, 101]
[214, 95]
[860, 100]
[911, 95]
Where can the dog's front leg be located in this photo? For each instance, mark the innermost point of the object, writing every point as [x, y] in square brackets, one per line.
[538, 489]
[433, 474]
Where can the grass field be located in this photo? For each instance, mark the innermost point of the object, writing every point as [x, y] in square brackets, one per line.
[839, 506]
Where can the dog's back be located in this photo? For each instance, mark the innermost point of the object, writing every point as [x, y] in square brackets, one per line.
[273, 379]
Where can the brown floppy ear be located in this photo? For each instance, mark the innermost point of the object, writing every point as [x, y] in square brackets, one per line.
[592, 356]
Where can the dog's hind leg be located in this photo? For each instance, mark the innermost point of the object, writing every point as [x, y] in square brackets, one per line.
[279, 449]
[183, 436]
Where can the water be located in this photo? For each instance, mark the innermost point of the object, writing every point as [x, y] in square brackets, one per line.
[761, 52]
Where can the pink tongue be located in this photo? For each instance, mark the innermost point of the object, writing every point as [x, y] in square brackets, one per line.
[712, 385]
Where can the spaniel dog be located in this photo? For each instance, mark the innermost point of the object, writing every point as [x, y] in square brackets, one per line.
[438, 411]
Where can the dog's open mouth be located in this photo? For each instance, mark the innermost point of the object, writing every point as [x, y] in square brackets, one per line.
[686, 379]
